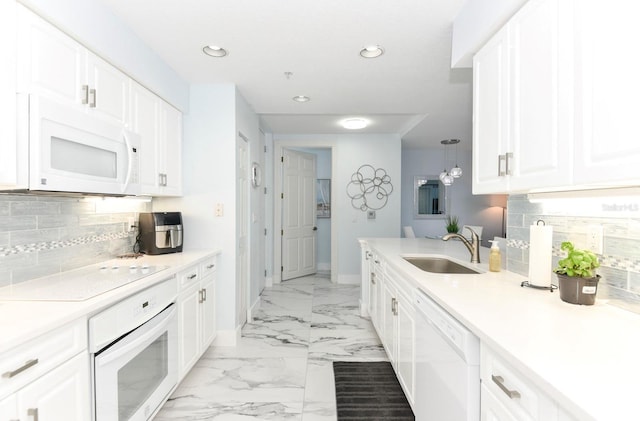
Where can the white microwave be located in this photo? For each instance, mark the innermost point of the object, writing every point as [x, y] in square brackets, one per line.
[71, 150]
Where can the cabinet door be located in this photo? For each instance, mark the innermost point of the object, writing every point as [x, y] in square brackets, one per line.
[9, 158]
[9, 408]
[49, 62]
[491, 409]
[373, 299]
[607, 88]
[406, 348]
[541, 100]
[60, 395]
[170, 150]
[389, 320]
[491, 115]
[111, 97]
[145, 115]
[208, 311]
[189, 327]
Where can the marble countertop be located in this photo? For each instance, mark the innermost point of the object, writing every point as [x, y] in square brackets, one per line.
[21, 321]
[586, 358]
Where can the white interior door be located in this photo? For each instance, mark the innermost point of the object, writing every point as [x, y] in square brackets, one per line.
[299, 231]
[242, 229]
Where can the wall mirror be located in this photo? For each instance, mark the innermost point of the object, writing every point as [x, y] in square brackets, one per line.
[429, 197]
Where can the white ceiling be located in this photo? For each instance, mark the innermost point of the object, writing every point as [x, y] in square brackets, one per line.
[410, 89]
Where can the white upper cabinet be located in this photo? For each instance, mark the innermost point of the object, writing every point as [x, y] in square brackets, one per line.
[52, 64]
[521, 130]
[160, 128]
[9, 171]
[607, 91]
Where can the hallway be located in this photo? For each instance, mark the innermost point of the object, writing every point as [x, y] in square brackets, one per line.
[282, 366]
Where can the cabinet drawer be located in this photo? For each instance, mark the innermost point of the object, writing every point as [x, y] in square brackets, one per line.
[187, 277]
[26, 362]
[208, 266]
[518, 395]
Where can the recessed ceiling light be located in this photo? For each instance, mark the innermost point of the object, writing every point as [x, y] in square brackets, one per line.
[214, 51]
[301, 98]
[371, 51]
[354, 123]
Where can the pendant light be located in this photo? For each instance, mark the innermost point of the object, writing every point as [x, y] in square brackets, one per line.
[447, 177]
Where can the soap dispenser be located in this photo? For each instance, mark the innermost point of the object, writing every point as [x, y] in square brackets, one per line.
[494, 257]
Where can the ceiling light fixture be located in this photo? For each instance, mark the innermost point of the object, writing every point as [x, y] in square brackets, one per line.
[354, 123]
[214, 51]
[301, 98]
[371, 51]
[447, 177]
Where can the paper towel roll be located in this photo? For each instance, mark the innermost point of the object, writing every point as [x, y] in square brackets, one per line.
[540, 239]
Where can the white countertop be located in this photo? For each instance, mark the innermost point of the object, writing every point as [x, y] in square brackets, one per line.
[21, 321]
[587, 358]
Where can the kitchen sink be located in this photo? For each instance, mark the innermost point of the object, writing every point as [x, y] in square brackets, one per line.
[439, 265]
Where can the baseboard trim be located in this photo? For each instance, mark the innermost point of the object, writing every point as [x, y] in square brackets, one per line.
[228, 337]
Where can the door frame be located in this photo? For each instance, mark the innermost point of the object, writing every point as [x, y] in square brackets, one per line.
[278, 147]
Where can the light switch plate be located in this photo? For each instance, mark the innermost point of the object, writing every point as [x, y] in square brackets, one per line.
[371, 214]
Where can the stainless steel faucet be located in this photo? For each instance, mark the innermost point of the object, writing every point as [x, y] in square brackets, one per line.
[473, 246]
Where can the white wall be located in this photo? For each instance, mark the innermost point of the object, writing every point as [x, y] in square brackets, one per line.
[482, 210]
[209, 178]
[477, 21]
[96, 27]
[349, 152]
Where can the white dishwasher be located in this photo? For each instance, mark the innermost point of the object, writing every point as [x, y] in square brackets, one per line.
[447, 365]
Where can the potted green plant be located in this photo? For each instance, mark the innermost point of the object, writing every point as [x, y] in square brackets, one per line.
[577, 280]
[452, 224]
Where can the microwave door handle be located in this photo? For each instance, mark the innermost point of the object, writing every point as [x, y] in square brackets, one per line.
[129, 161]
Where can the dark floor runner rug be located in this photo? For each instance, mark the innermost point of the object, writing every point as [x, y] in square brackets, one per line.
[369, 391]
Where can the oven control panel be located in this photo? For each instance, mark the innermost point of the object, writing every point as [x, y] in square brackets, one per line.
[130, 313]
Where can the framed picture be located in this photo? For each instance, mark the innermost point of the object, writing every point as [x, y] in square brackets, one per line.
[323, 198]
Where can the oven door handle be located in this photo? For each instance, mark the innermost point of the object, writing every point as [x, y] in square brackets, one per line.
[156, 325]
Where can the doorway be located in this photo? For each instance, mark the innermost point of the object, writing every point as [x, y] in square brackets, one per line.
[326, 249]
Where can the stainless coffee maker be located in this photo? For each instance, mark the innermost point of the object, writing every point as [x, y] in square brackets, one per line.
[160, 232]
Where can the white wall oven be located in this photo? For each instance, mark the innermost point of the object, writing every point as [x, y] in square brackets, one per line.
[133, 347]
[72, 151]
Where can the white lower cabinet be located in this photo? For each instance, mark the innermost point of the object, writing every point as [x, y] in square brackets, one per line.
[60, 395]
[9, 408]
[47, 378]
[506, 394]
[399, 331]
[196, 313]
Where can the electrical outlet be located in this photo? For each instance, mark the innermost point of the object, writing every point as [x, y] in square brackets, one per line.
[595, 238]
[131, 224]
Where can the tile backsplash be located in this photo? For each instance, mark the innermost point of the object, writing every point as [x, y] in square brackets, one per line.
[44, 235]
[571, 218]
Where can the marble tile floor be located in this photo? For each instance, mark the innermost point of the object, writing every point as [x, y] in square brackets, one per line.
[282, 366]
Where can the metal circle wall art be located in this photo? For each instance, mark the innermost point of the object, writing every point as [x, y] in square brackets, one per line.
[369, 188]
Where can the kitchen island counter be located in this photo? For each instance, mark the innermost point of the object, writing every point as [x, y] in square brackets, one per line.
[583, 357]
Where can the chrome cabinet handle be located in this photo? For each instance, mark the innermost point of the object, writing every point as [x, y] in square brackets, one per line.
[512, 394]
[394, 306]
[211, 266]
[200, 300]
[33, 412]
[376, 261]
[85, 94]
[501, 158]
[204, 294]
[373, 278]
[191, 276]
[508, 158]
[92, 98]
[27, 365]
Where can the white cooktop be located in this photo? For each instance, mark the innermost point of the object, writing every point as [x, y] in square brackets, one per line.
[79, 284]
